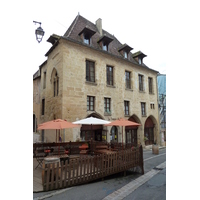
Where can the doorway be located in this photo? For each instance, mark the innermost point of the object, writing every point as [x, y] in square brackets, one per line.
[149, 131]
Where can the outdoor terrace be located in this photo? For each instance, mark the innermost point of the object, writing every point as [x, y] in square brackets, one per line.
[98, 160]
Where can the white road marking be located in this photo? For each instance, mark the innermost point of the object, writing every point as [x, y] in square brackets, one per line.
[154, 156]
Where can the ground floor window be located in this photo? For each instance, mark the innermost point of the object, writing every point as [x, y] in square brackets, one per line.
[131, 136]
[96, 135]
[149, 134]
[86, 135]
[114, 134]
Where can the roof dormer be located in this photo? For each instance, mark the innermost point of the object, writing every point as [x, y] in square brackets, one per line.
[86, 35]
[138, 56]
[104, 41]
[53, 39]
[124, 50]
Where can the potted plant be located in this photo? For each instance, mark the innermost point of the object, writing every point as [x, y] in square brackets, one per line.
[145, 139]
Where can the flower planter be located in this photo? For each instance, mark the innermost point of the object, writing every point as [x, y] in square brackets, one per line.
[83, 147]
[155, 149]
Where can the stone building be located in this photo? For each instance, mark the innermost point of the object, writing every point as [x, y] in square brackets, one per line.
[88, 72]
[161, 79]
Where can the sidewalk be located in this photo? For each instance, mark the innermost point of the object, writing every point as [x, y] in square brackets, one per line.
[149, 147]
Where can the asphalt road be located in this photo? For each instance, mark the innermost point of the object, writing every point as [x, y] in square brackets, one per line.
[154, 189]
[98, 190]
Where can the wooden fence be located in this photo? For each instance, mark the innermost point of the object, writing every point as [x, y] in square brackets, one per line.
[73, 147]
[89, 168]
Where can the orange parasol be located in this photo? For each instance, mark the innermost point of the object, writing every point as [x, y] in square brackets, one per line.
[122, 122]
[57, 124]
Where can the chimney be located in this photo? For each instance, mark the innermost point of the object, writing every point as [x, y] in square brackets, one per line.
[99, 25]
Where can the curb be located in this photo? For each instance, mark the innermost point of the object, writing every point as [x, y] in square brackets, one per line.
[52, 194]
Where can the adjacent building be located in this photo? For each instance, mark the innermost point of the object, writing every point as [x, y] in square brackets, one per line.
[161, 79]
[88, 72]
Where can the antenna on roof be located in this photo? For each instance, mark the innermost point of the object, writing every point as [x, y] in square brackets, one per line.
[78, 13]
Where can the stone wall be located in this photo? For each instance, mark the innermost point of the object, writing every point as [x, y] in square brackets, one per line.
[69, 59]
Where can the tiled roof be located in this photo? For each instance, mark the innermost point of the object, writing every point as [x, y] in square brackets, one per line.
[78, 26]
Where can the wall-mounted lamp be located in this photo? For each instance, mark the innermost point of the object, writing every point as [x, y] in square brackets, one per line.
[39, 32]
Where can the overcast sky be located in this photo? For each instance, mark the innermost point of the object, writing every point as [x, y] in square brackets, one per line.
[157, 28]
[166, 31]
[143, 25]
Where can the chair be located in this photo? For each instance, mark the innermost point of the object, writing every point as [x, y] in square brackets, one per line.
[39, 155]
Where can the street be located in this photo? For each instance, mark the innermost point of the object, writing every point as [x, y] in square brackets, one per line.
[155, 188]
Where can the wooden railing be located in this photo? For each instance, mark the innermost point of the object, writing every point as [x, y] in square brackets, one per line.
[88, 168]
[73, 147]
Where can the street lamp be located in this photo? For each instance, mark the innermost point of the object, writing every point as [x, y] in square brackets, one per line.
[39, 32]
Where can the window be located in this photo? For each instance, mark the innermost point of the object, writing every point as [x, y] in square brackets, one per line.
[150, 80]
[141, 87]
[90, 71]
[104, 46]
[143, 109]
[126, 107]
[86, 135]
[43, 106]
[55, 85]
[140, 61]
[90, 103]
[107, 105]
[131, 136]
[125, 55]
[44, 81]
[114, 134]
[104, 42]
[152, 105]
[86, 38]
[109, 74]
[128, 79]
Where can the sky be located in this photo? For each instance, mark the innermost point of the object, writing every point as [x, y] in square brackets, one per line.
[136, 23]
[168, 32]
[157, 28]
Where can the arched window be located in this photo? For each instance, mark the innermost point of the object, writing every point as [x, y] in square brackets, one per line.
[114, 134]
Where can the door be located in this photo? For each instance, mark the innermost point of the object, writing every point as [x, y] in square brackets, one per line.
[131, 136]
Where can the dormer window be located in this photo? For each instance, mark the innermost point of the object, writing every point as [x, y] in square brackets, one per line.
[104, 46]
[125, 55]
[124, 50]
[140, 61]
[86, 39]
[138, 56]
[86, 35]
[104, 42]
